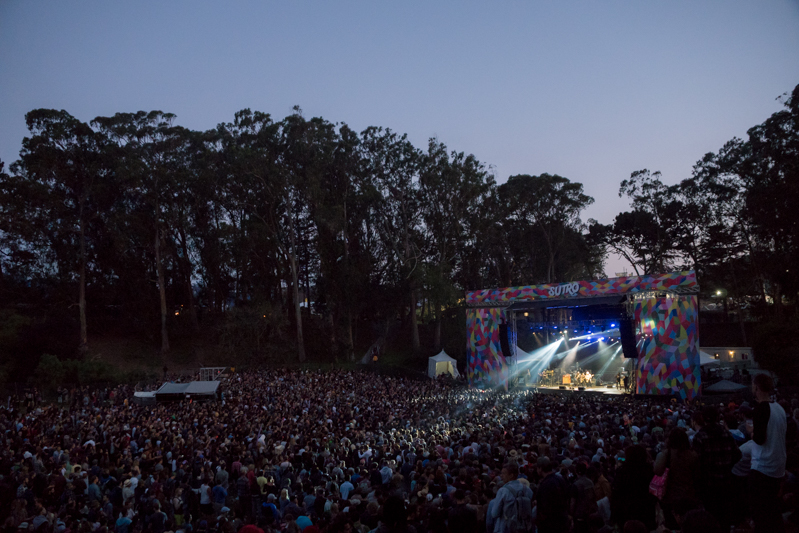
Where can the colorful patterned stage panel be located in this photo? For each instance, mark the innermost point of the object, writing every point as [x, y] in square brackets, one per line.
[604, 287]
[486, 366]
[667, 328]
[668, 346]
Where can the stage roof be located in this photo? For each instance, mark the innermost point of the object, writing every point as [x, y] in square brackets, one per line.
[567, 302]
[202, 387]
[172, 388]
[195, 387]
[676, 283]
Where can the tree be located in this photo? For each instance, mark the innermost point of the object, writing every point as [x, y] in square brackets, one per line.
[647, 235]
[148, 145]
[752, 185]
[60, 167]
[452, 186]
[549, 203]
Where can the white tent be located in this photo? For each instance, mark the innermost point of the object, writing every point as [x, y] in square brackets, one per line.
[707, 359]
[438, 364]
[725, 386]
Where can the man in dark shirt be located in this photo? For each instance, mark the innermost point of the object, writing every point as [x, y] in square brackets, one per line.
[718, 452]
[462, 519]
[553, 500]
[583, 501]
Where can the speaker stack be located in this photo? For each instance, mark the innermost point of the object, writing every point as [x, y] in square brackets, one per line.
[503, 341]
[627, 335]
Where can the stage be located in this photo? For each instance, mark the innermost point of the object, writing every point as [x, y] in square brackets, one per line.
[549, 389]
[645, 326]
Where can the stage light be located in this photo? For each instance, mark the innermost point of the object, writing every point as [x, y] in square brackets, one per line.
[613, 325]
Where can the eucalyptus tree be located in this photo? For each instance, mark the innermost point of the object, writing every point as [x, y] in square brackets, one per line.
[392, 165]
[772, 200]
[453, 187]
[147, 157]
[550, 203]
[340, 202]
[58, 172]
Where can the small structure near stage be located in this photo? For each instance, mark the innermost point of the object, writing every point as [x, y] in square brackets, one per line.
[441, 364]
[726, 386]
[144, 398]
[194, 390]
[212, 373]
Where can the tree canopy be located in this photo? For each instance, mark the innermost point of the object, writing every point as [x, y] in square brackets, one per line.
[305, 234]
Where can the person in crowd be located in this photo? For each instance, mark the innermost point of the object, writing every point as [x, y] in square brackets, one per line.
[768, 457]
[552, 511]
[508, 500]
[583, 499]
[682, 464]
[631, 499]
[717, 453]
[462, 518]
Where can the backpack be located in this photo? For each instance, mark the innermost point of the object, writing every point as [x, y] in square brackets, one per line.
[519, 517]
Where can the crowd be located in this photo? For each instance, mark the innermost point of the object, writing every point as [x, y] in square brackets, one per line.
[340, 451]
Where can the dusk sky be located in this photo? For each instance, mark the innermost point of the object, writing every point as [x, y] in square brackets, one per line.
[588, 90]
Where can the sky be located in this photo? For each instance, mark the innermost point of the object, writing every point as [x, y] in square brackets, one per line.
[589, 90]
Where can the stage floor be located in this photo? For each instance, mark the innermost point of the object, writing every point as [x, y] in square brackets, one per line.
[547, 389]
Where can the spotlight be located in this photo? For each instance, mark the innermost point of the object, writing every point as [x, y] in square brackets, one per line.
[613, 325]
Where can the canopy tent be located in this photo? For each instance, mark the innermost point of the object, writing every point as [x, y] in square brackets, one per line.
[725, 386]
[441, 363]
[707, 359]
[144, 398]
[202, 388]
[196, 390]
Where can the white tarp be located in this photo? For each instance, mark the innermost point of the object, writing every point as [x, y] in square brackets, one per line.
[725, 386]
[441, 363]
[707, 359]
[144, 398]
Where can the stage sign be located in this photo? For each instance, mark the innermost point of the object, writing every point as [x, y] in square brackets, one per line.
[684, 282]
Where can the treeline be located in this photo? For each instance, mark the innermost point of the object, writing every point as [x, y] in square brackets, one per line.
[240, 234]
[252, 234]
[735, 220]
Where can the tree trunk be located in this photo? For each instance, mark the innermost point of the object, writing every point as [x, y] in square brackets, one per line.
[333, 341]
[778, 309]
[195, 325]
[437, 334]
[295, 287]
[350, 341]
[740, 308]
[414, 322]
[84, 336]
[350, 338]
[162, 290]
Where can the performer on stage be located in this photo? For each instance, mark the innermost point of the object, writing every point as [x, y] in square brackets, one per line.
[618, 379]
